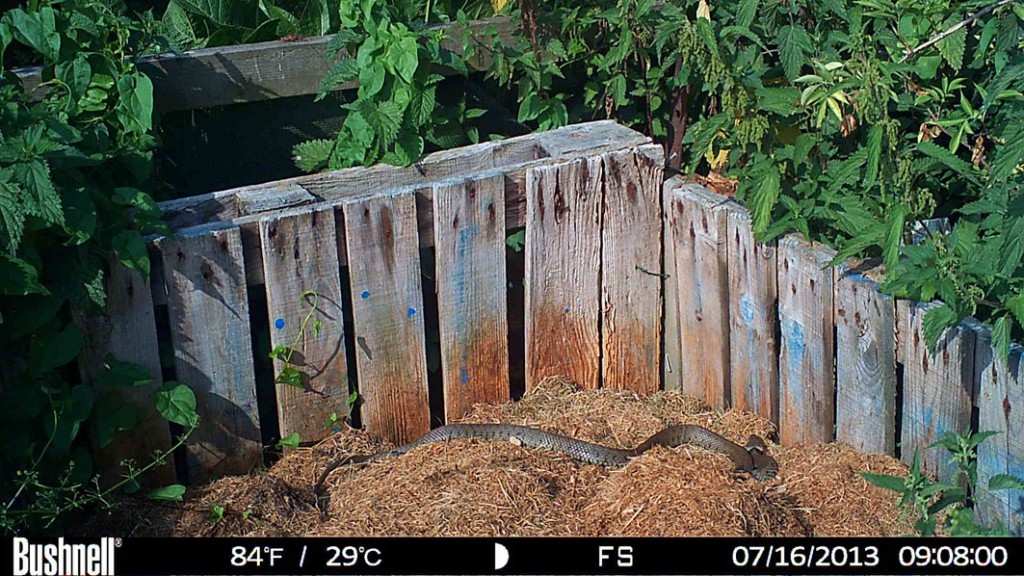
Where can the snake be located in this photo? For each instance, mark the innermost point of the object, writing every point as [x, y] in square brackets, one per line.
[752, 458]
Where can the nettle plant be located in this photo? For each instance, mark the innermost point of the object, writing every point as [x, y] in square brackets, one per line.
[848, 122]
[75, 164]
[396, 110]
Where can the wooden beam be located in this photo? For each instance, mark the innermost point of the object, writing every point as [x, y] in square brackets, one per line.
[261, 71]
[562, 280]
[221, 209]
[630, 259]
[471, 292]
[753, 319]
[806, 361]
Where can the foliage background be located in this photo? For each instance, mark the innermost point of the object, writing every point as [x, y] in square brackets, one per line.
[850, 122]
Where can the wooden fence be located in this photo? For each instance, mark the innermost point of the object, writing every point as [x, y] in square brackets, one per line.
[775, 330]
[298, 236]
[631, 282]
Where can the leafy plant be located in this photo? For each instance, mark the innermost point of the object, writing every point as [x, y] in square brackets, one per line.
[396, 111]
[75, 167]
[205, 23]
[925, 499]
[848, 122]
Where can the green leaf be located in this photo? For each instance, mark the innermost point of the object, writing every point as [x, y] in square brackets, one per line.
[408, 148]
[118, 374]
[946, 157]
[1005, 482]
[1001, 338]
[344, 70]
[291, 441]
[1016, 306]
[135, 103]
[894, 483]
[177, 403]
[516, 241]
[952, 48]
[781, 101]
[874, 155]
[764, 198]
[18, 277]
[130, 249]
[793, 42]
[172, 493]
[745, 13]
[290, 376]
[895, 222]
[54, 349]
[37, 30]
[42, 199]
[113, 415]
[12, 216]
[936, 320]
[1010, 154]
[312, 155]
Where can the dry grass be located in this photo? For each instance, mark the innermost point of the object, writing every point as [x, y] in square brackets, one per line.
[476, 488]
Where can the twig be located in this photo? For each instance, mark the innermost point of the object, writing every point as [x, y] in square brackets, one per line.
[971, 19]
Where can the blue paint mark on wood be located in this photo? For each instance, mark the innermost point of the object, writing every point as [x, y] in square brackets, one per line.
[747, 309]
[365, 294]
[411, 312]
[793, 333]
[279, 323]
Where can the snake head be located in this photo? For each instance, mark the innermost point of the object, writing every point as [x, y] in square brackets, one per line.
[765, 467]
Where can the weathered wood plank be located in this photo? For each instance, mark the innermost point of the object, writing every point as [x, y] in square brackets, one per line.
[806, 376]
[938, 391]
[209, 311]
[303, 287]
[471, 292]
[387, 310]
[270, 198]
[127, 331]
[699, 227]
[630, 268]
[562, 284]
[865, 365]
[578, 140]
[338, 187]
[261, 71]
[671, 345]
[1000, 401]
[753, 315]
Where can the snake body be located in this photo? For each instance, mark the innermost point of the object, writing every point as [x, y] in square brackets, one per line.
[752, 458]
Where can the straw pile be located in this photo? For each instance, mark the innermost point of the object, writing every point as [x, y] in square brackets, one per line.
[478, 488]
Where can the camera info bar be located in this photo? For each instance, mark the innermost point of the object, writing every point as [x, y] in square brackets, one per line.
[526, 556]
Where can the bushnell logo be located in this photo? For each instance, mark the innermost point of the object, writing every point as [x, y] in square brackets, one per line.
[63, 559]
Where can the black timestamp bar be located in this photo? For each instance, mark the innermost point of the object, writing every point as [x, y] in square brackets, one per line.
[526, 556]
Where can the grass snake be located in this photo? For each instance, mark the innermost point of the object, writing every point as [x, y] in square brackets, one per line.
[752, 458]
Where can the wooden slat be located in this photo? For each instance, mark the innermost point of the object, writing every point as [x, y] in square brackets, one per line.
[578, 140]
[268, 199]
[806, 376]
[865, 365]
[938, 392]
[387, 309]
[339, 187]
[753, 315]
[209, 311]
[300, 255]
[471, 292]
[671, 346]
[261, 71]
[562, 283]
[127, 331]
[630, 268]
[699, 227]
[1000, 409]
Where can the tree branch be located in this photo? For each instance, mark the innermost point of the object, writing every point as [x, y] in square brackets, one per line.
[971, 19]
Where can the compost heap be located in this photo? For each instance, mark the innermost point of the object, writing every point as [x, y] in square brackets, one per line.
[480, 488]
